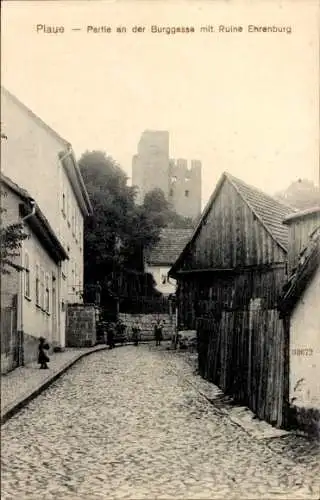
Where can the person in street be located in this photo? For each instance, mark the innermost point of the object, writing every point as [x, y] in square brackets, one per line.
[136, 333]
[158, 332]
[110, 336]
[43, 358]
[121, 329]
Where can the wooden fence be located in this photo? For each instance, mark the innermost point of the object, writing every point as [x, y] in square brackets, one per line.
[241, 340]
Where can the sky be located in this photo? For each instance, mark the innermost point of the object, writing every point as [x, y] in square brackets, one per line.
[246, 103]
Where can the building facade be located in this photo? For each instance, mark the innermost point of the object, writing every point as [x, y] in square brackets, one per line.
[179, 180]
[230, 276]
[300, 311]
[36, 158]
[30, 291]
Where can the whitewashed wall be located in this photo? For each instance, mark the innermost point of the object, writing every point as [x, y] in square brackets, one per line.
[305, 348]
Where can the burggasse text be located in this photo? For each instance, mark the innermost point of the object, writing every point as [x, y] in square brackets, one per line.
[167, 30]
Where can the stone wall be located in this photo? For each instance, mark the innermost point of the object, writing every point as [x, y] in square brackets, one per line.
[147, 322]
[81, 325]
[306, 420]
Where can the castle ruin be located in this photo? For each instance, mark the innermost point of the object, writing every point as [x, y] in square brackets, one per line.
[179, 180]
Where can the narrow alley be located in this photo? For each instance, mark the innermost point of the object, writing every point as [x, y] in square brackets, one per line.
[126, 424]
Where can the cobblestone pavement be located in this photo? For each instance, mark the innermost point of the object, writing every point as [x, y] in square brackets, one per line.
[126, 424]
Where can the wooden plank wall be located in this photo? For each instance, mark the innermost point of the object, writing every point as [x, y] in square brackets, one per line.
[299, 233]
[232, 236]
[241, 338]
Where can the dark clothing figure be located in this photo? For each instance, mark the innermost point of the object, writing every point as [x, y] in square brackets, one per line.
[158, 333]
[110, 336]
[121, 329]
[135, 334]
[43, 358]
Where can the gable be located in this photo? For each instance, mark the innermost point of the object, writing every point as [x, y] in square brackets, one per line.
[231, 234]
[298, 282]
[270, 211]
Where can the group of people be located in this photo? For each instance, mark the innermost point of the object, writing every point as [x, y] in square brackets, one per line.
[114, 332]
[118, 331]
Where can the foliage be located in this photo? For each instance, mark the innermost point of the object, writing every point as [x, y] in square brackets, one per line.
[301, 194]
[118, 231]
[161, 212]
[11, 237]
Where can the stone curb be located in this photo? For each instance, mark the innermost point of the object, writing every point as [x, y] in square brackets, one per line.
[13, 408]
[241, 416]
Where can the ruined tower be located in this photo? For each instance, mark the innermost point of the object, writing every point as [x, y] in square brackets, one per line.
[180, 182]
[150, 167]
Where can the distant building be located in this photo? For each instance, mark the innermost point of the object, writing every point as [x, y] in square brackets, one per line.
[163, 255]
[152, 168]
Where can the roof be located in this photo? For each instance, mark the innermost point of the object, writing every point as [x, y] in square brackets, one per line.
[39, 224]
[35, 117]
[302, 214]
[169, 247]
[75, 179]
[268, 210]
[308, 263]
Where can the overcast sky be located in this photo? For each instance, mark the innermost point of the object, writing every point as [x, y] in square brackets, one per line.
[243, 102]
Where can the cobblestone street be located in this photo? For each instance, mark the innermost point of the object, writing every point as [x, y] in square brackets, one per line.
[126, 424]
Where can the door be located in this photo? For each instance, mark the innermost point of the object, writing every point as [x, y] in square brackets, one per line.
[55, 339]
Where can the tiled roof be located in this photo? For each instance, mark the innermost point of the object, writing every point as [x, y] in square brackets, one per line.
[308, 263]
[270, 211]
[169, 247]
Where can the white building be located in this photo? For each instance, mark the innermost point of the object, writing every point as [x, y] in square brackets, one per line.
[160, 259]
[42, 163]
[301, 313]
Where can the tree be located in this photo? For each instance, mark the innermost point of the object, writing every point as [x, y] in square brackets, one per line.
[301, 194]
[118, 231]
[158, 208]
[11, 237]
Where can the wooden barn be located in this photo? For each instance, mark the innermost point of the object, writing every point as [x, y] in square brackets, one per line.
[230, 277]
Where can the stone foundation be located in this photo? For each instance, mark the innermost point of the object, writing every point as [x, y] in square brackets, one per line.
[306, 420]
[81, 325]
[147, 322]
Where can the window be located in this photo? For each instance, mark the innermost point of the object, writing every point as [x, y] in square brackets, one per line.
[171, 192]
[64, 204]
[68, 207]
[75, 276]
[73, 222]
[73, 280]
[37, 285]
[76, 225]
[42, 294]
[173, 179]
[47, 295]
[64, 269]
[186, 193]
[27, 276]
